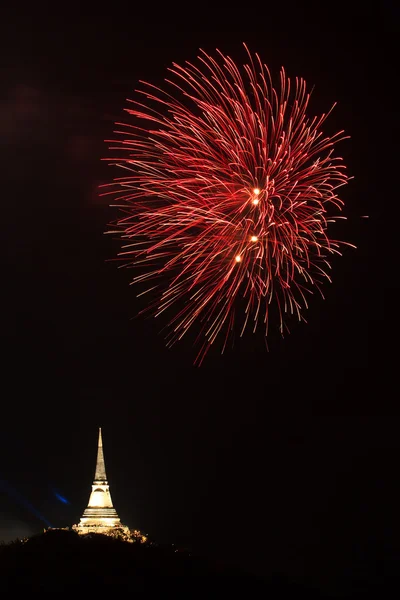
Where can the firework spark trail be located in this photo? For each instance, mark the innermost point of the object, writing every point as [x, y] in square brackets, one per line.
[227, 194]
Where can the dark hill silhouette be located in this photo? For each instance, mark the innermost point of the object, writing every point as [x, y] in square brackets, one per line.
[62, 559]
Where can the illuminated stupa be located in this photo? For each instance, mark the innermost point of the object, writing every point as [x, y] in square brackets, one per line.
[100, 515]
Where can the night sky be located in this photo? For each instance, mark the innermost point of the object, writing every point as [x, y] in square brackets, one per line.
[280, 461]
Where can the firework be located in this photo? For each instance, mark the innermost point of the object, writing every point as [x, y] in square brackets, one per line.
[226, 195]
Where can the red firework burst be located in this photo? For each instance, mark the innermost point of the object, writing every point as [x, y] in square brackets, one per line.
[228, 193]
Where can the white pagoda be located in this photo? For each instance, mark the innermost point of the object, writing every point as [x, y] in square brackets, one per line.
[100, 515]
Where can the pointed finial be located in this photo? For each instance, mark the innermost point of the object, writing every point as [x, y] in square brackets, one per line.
[100, 473]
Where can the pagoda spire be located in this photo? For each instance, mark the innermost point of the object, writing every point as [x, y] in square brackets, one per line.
[100, 473]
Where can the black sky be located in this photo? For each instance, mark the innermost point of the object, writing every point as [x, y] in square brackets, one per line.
[286, 460]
